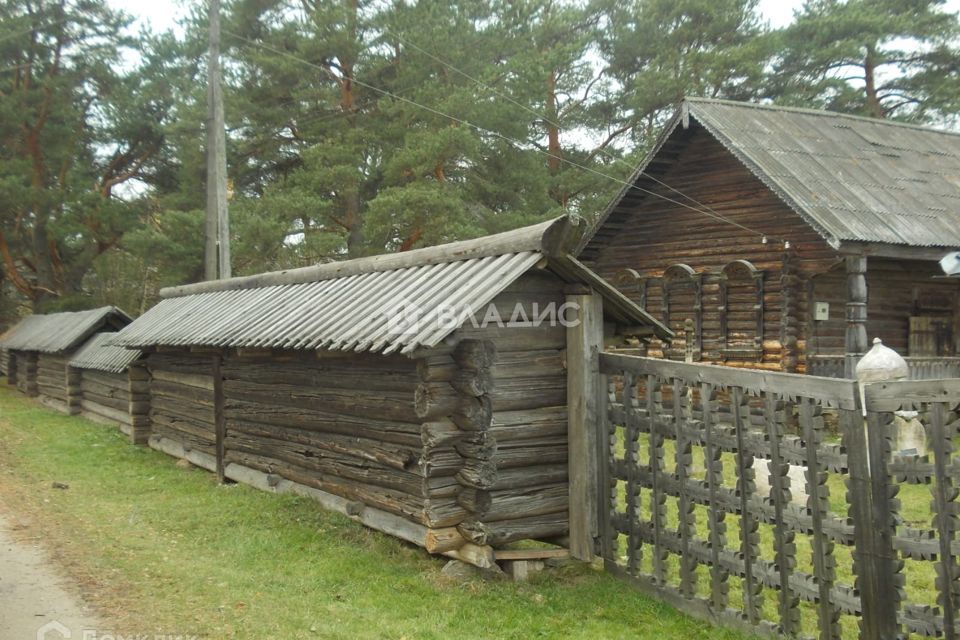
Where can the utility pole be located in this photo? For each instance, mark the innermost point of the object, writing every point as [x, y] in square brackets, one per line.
[216, 262]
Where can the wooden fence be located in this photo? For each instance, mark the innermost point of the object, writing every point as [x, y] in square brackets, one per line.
[921, 368]
[681, 515]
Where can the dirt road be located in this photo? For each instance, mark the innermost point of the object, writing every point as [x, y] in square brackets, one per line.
[33, 593]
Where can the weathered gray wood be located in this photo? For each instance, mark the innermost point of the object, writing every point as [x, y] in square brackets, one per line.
[524, 528]
[944, 505]
[541, 237]
[833, 392]
[199, 380]
[585, 397]
[116, 416]
[475, 354]
[434, 400]
[855, 341]
[219, 416]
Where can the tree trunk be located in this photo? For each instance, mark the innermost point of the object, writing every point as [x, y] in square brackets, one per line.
[874, 108]
[554, 150]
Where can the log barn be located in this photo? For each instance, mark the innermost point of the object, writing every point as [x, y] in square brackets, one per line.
[40, 347]
[787, 236]
[110, 384]
[386, 388]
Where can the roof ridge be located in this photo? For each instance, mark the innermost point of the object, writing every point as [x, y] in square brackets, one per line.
[819, 112]
[548, 237]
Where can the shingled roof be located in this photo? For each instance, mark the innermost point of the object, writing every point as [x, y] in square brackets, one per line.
[852, 179]
[56, 332]
[347, 306]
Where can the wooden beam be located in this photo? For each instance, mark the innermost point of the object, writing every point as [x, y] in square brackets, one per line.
[546, 237]
[896, 251]
[530, 554]
[585, 408]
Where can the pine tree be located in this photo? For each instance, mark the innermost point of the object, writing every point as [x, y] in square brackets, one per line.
[878, 58]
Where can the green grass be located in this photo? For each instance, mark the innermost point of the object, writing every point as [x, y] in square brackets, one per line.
[165, 549]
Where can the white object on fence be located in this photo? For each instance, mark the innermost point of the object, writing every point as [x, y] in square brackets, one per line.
[795, 473]
[911, 436]
[880, 364]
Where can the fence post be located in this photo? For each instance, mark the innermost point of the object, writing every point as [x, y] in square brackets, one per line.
[874, 558]
[586, 403]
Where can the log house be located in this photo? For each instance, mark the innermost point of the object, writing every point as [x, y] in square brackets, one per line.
[788, 236]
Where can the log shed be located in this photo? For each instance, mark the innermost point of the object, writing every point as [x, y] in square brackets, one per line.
[40, 347]
[441, 395]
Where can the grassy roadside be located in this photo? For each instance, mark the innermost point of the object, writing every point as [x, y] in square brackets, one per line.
[160, 548]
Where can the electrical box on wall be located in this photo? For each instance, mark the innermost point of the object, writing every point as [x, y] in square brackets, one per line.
[821, 311]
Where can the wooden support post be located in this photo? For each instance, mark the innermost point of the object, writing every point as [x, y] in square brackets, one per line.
[220, 421]
[586, 409]
[11, 368]
[74, 392]
[856, 338]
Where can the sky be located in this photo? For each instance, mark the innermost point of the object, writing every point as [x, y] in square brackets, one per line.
[162, 14]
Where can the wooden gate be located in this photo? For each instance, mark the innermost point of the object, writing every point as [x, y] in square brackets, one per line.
[818, 544]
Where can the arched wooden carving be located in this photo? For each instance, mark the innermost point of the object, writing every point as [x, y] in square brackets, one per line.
[741, 310]
[630, 284]
[682, 299]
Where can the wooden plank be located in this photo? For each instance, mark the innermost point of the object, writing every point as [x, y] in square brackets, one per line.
[944, 503]
[584, 399]
[818, 501]
[835, 393]
[530, 554]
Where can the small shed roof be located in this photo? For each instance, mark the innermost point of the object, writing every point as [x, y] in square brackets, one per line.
[56, 332]
[98, 353]
[355, 305]
[853, 179]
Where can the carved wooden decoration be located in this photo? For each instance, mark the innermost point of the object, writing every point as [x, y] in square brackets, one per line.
[665, 525]
[741, 311]
[682, 299]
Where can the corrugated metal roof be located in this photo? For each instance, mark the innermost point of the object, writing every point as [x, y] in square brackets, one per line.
[851, 178]
[384, 304]
[858, 179]
[99, 354]
[55, 332]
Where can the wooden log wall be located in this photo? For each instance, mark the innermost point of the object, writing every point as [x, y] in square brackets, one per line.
[52, 376]
[11, 369]
[897, 289]
[345, 424]
[26, 372]
[138, 408]
[181, 399]
[105, 396]
[648, 235]
[515, 473]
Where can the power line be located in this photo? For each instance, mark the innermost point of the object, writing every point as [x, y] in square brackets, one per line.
[504, 96]
[496, 134]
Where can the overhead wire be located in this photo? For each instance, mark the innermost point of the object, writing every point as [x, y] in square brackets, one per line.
[517, 143]
[556, 125]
